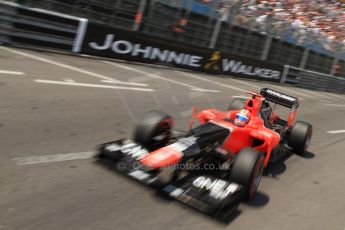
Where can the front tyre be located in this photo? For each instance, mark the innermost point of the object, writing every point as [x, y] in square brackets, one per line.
[247, 170]
[300, 137]
[154, 130]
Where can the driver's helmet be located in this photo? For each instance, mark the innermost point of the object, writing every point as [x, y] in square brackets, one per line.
[242, 118]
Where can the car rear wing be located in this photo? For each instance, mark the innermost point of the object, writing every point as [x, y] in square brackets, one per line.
[280, 98]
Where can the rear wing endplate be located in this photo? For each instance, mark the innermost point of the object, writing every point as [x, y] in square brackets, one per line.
[280, 98]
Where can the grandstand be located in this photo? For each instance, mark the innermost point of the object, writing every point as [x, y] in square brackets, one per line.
[305, 34]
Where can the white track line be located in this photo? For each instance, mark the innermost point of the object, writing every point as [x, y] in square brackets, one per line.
[211, 81]
[241, 97]
[336, 131]
[241, 82]
[125, 83]
[206, 90]
[326, 96]
[250, 84]
[244, 83]
[91, 85]
[158, 77]
[69, 80]
[11, 72]
[336, 105]
[338, 96]
[317, 95]
[53, 158]
[58, 64]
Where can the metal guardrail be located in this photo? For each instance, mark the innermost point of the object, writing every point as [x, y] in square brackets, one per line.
[20, 24]
[313, 80]
[118, 13]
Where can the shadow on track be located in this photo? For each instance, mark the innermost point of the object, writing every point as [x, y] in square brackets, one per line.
[228, 214]
[279, 166]
[259, 200]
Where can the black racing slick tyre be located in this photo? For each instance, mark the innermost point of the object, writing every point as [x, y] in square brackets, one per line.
[247, 170]
[300, 137]
[154, 130]
[236, 104]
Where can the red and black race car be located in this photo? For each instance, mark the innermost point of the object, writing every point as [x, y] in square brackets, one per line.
[217, 162]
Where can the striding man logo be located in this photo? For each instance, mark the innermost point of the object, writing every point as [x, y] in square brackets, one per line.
[214, 62]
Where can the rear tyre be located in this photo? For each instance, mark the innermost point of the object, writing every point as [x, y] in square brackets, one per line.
[154, 130]
[236, 104]
[300, 137]
[247, 170]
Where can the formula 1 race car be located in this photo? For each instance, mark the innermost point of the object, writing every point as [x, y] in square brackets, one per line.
[216, 163]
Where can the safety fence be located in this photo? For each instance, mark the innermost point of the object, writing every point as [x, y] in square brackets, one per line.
[119, 12]
[238, 51]
[220, 25]
[38, 26]
[313, 80]
[221, 30]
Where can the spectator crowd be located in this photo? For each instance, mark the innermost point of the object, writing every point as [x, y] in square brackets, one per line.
[323, 19]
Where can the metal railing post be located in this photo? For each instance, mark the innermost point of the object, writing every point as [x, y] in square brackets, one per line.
[215, 34]
[304, 58]
[189, 8]
[266, 49]
[285, 73]
[337, 54]
[78, 42]
[139, 15]
[233, 11]
[228, 14]
[334, 64]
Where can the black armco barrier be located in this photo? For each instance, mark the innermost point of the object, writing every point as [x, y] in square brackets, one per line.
[105, 41]
[37, 27]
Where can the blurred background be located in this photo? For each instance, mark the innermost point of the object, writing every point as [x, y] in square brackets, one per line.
[57, 104]
[308, 34]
